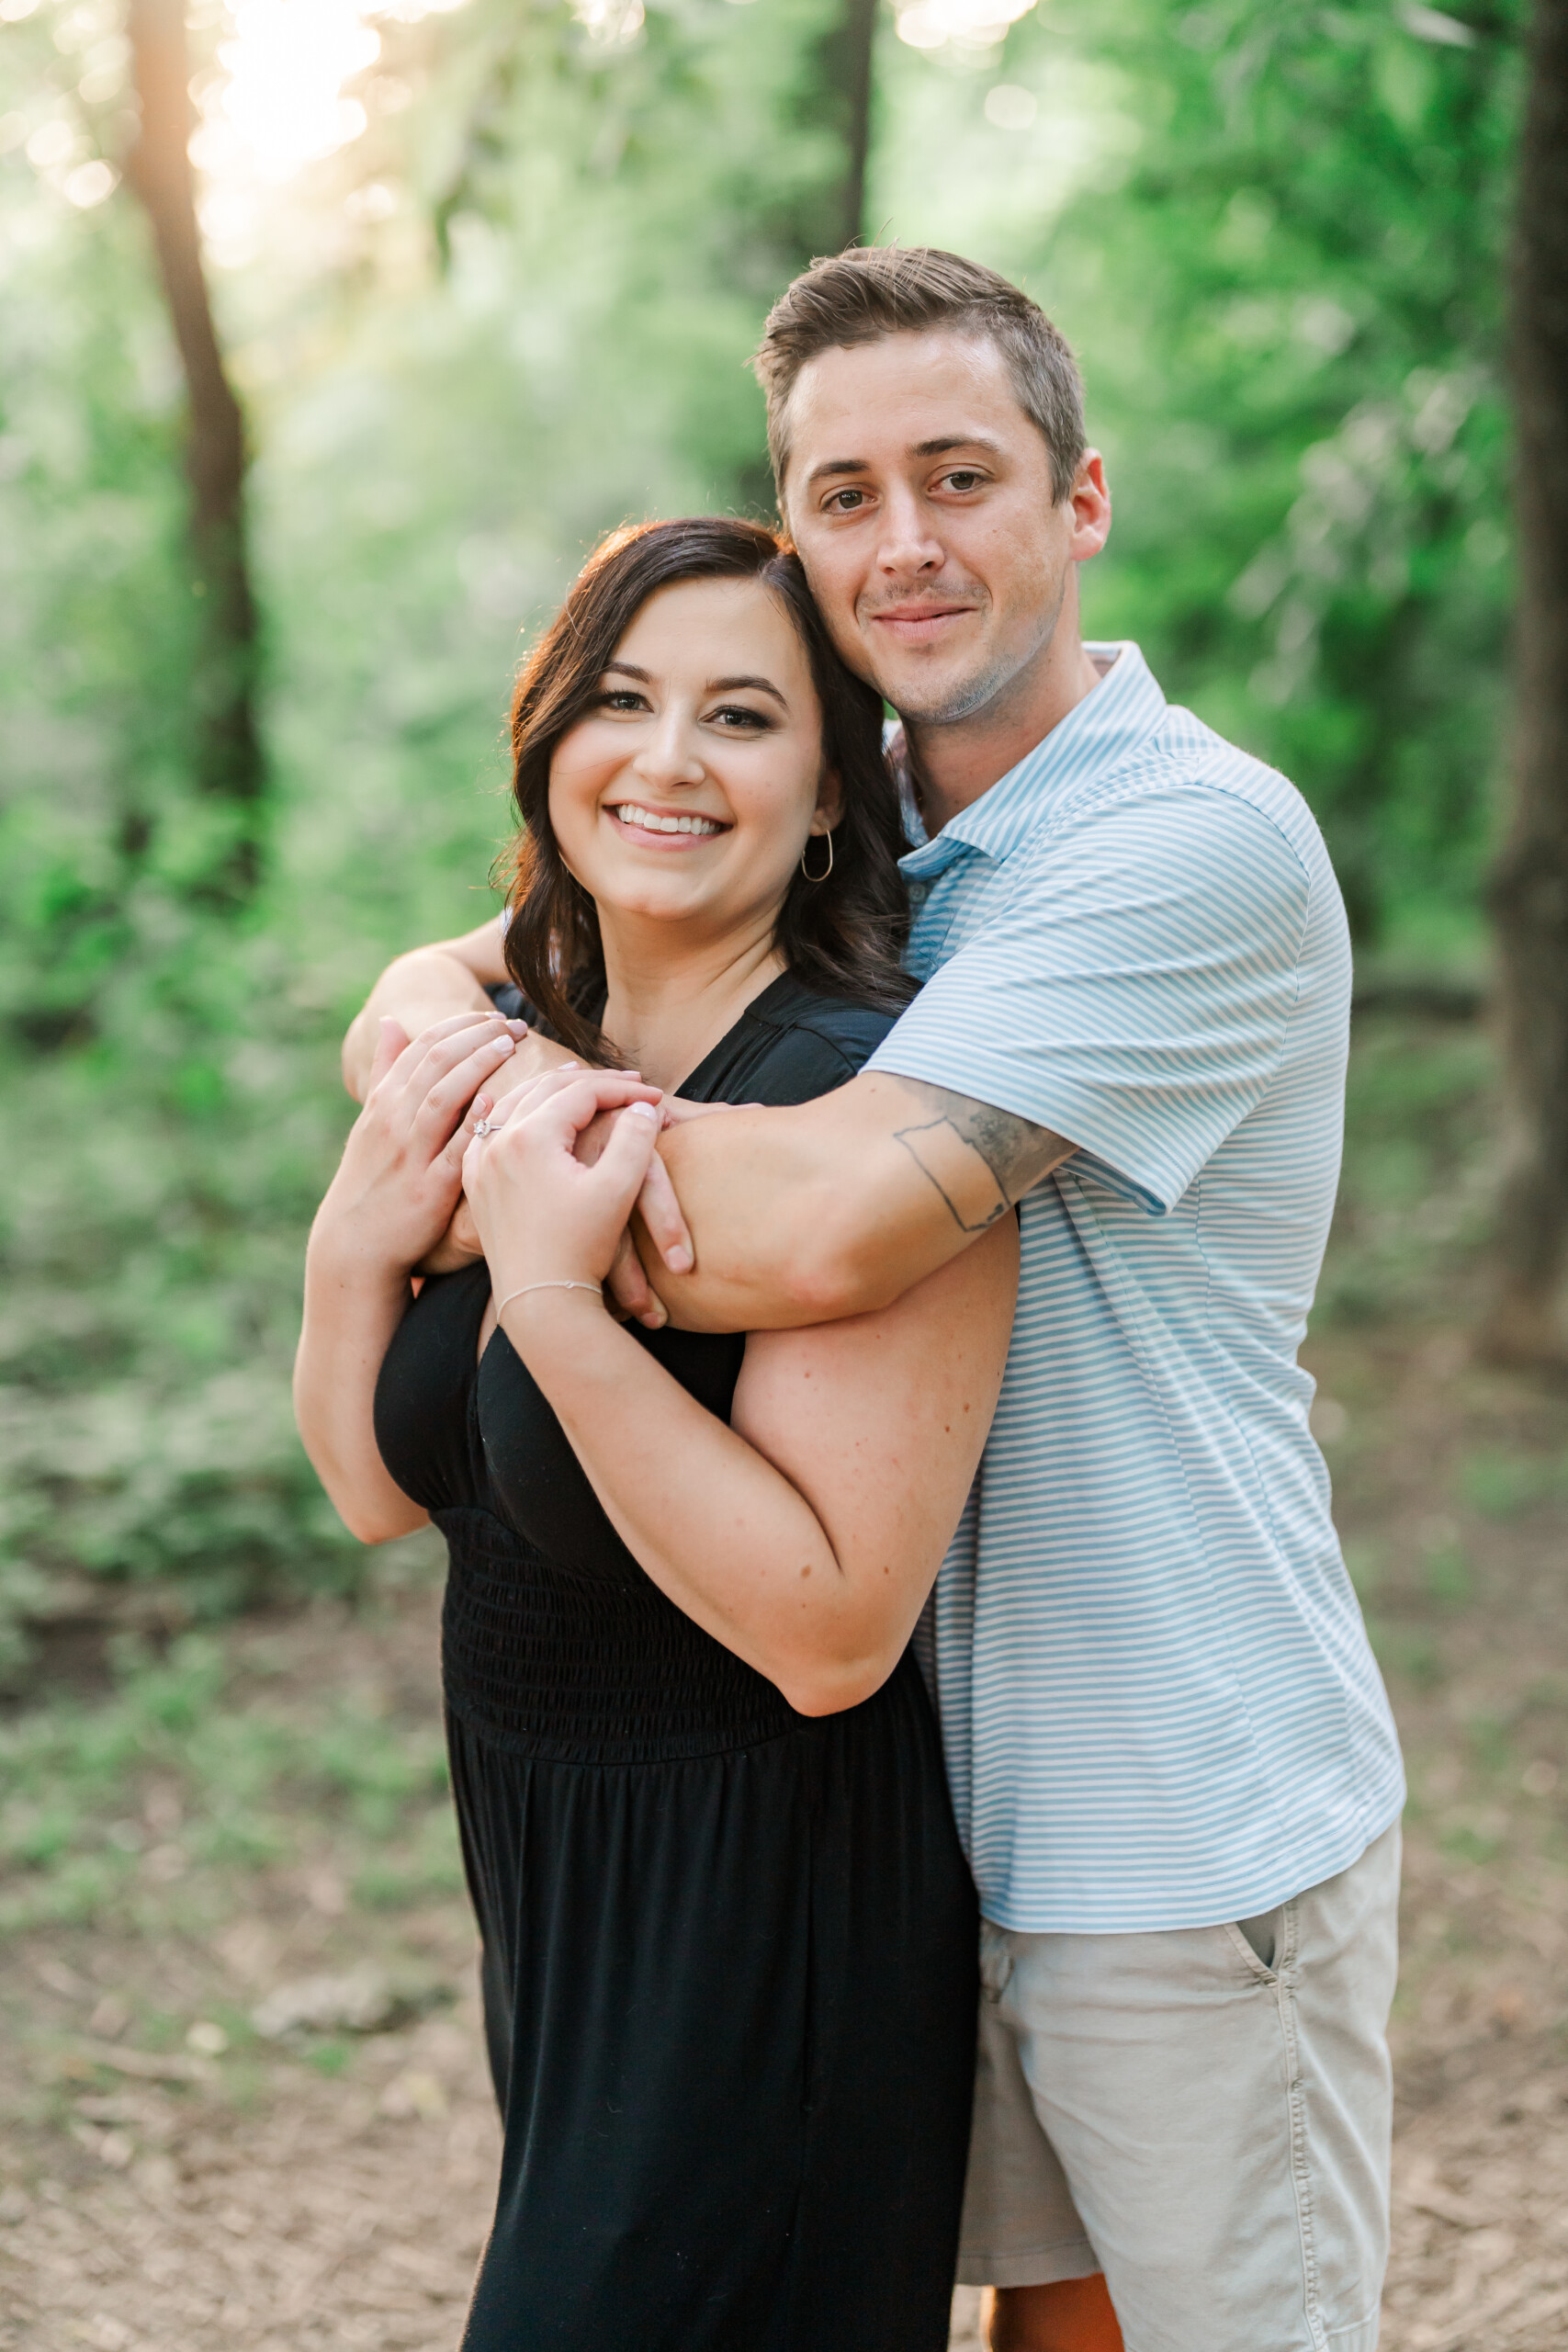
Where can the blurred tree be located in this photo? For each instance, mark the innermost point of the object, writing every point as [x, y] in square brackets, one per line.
[1529, 891]
[227, 747]
[851, 62]
[620, 199]
[510, 309]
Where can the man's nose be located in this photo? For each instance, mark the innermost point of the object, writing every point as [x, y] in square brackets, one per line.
[908, 543]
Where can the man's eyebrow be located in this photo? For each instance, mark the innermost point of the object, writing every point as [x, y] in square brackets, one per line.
[732, 685]
[954, 441]
[937, 449]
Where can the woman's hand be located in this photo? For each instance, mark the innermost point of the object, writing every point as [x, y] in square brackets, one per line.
[542, 1215]
[401, 1170]
[656, 1205]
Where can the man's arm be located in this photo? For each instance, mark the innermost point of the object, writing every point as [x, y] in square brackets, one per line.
[423, 987]
[838, 1207]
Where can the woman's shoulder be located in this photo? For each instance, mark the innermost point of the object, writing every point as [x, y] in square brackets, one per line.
[792, 1043]
[841, 1025]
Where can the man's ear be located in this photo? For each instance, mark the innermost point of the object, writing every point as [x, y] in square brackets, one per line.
[1091, 507]
[829, 802]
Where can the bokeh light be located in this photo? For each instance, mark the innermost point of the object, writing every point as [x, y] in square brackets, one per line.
[286, 68]
[970, 24]
[280, 100]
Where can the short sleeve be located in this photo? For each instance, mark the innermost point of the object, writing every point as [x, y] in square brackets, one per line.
[801, 1045]
[1133, 991]
[799, 1064]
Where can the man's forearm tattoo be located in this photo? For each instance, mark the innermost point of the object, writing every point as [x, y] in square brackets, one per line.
[979, 1158]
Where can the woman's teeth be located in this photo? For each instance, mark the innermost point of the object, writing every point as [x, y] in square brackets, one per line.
[628, 813]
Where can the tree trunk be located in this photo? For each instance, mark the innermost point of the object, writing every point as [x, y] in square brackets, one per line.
[1529, 890]
[857, 51]
[227, 755]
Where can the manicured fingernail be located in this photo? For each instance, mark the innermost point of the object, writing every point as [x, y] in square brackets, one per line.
[480, 1105]
[518, 1028]
[679, 1261]
[506, 1045]
[643, 1110]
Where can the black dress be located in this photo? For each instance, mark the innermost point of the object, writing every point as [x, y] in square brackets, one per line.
[728, 1950]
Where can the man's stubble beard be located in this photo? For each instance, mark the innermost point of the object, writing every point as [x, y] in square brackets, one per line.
[987, 685]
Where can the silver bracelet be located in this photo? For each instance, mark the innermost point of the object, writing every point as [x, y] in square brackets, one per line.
[597, 1288]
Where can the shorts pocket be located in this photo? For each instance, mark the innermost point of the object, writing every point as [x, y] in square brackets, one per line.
[996, 1962]
[1261, 1970]
[1278, 1931]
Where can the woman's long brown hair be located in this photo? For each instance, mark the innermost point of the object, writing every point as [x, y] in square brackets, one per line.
[844, 934]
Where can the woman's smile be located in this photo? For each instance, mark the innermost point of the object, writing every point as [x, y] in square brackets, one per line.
[664, 829]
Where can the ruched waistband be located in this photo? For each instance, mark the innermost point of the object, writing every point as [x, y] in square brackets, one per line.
[574, 1667]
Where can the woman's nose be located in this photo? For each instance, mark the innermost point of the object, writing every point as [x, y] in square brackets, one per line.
[671, 755]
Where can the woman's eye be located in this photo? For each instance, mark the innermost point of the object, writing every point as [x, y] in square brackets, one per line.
[736, 716]
[622, 698]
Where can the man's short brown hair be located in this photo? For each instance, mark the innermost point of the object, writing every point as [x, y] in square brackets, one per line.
[874, 291]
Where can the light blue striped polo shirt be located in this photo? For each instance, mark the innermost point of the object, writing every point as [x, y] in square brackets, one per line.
[1158, 1703]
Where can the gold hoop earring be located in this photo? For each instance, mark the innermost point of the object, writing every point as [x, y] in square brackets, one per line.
[826, 870]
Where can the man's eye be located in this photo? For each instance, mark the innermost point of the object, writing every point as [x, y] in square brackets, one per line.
[844, 502]
[963, 478]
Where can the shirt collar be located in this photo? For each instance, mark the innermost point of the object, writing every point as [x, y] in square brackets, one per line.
[1111, 722]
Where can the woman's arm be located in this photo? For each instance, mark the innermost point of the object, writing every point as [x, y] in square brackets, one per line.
[391, 1198]
[352, 1310]
[806, 1536]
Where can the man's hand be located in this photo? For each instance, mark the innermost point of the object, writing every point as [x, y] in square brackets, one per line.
[458, 1245]
[658, 1232]
[417, 991]
[426, 986]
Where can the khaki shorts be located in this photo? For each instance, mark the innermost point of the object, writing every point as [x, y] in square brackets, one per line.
[1204, 2115]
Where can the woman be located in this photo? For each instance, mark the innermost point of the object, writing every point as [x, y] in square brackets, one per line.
[728, 1935]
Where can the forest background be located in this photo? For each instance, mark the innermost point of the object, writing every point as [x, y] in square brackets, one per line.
[487, 277]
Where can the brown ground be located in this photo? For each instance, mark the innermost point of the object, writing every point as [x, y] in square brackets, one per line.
[332, 2189]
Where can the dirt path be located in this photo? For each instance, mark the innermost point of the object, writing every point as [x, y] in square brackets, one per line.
[235, 1820]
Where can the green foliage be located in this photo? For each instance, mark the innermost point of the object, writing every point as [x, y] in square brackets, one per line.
[514, 312]
[1420, 1160]
[478, 399]
[231, 1769]
[1505, 1485]
[1281, 265]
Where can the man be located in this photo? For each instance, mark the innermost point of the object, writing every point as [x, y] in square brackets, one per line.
[1170, 1752]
